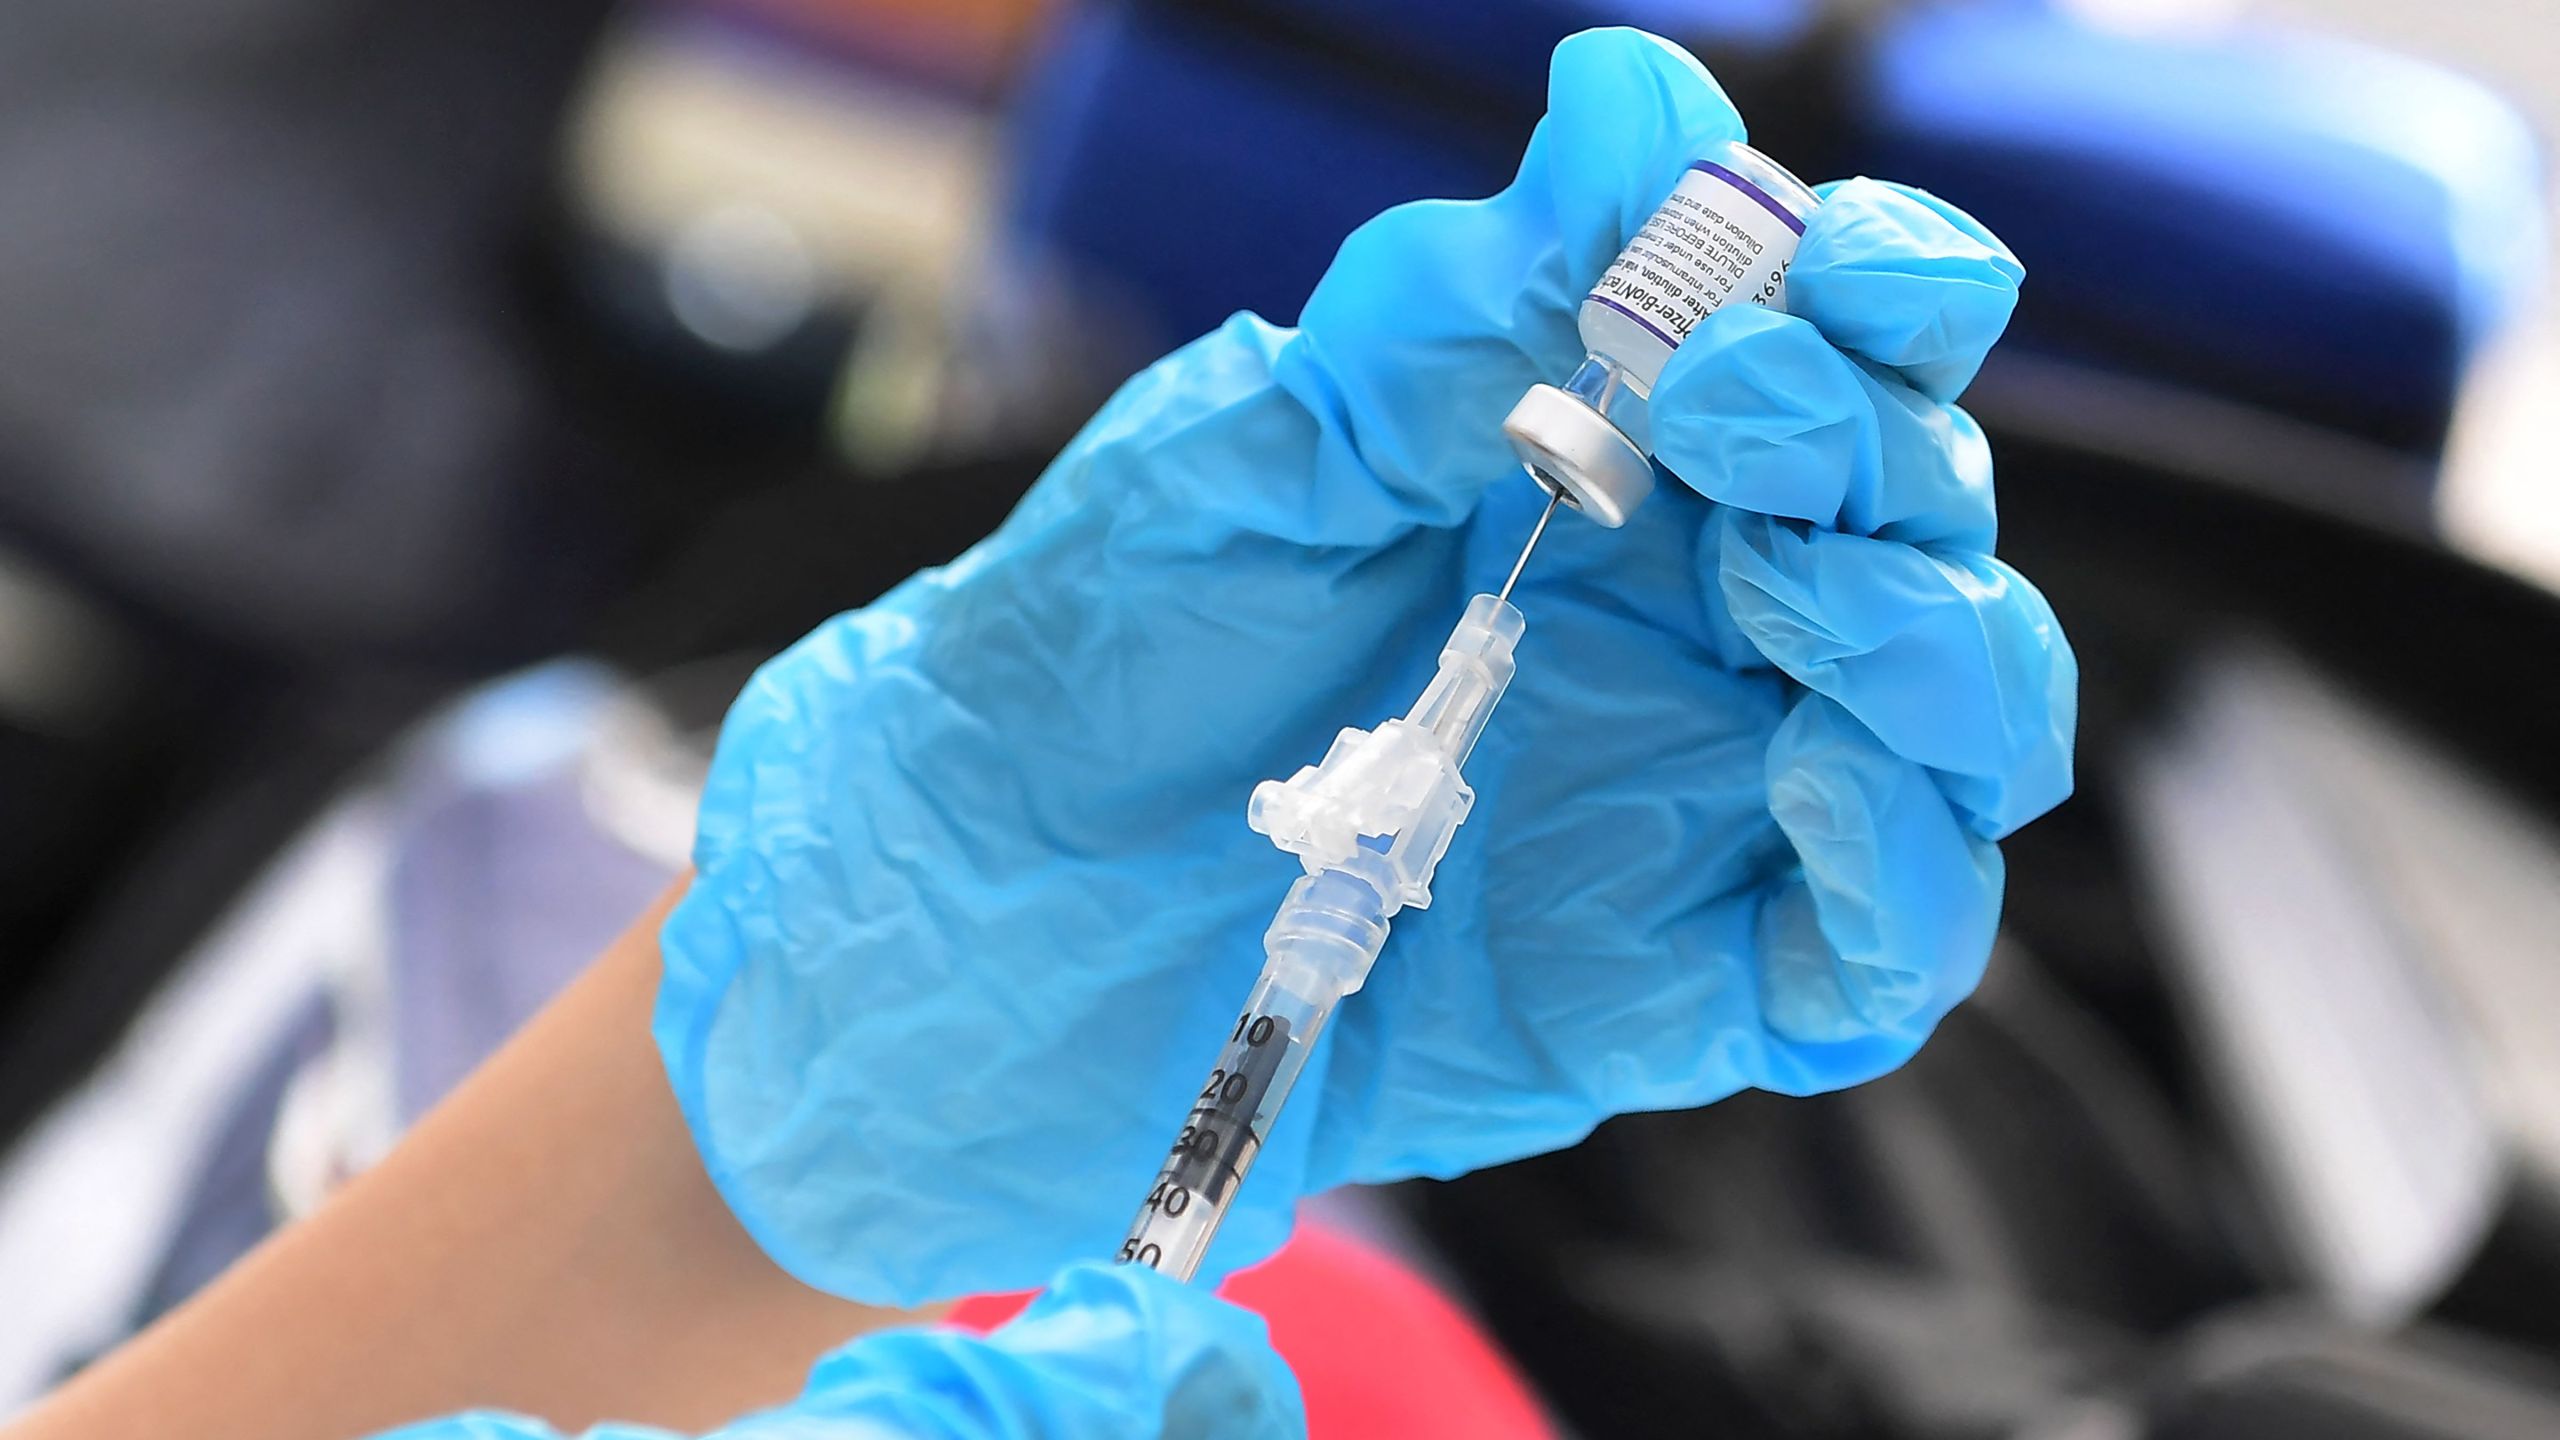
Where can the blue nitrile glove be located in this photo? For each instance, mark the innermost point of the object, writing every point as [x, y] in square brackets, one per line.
[1106, 1353]
[976, 899]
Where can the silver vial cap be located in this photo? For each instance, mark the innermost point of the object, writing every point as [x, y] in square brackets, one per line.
[1574, 452]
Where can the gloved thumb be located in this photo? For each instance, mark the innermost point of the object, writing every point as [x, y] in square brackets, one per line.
[1436, 315]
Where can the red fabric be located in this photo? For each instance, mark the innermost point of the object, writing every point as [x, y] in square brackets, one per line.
[1379, 1354]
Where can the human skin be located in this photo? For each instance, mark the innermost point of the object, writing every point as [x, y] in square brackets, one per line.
[544, 1241]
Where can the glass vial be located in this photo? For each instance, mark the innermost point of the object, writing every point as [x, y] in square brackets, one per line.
[1726, 234]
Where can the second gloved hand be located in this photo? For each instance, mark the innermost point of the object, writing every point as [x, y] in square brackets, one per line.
[1105, 1353]
[976, 900]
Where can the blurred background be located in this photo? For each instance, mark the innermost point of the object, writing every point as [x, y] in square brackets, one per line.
[415, 420]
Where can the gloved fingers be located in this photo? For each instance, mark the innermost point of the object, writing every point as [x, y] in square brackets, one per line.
[1906, 280]
[1887, 919]
[1954, 661]
[1626, 113]
[1759, 411]
[1435, 316]
[1105, 1353]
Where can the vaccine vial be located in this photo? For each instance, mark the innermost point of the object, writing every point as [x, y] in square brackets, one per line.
[1726, 235]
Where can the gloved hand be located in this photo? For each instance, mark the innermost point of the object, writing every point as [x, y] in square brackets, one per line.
[976, 900]
[1106, 1353]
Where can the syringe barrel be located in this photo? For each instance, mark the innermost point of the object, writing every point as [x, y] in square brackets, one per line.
[1329, 931]
[1223, 1133]
[1318, 949]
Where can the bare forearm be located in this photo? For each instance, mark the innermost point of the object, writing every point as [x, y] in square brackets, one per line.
[545, 1242]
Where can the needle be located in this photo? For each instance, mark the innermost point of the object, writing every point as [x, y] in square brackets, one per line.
[1523, 562]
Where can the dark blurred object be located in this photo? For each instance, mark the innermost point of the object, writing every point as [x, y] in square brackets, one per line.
[263, 381]
[267, 413]
[2260, 1378]
[71, 679]
[1949, 1252]
[2419, 762]
[305, 419]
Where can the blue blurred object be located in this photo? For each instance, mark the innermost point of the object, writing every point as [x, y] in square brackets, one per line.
[2317, 227]
[2314, 228]
[1203, 160]
[1150, 159]
[974, 896]
[1105, 1353]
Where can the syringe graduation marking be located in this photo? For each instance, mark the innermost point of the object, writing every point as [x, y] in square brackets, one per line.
[1218, 1141]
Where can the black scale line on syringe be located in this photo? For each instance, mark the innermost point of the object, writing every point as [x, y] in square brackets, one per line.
[1218, 1143]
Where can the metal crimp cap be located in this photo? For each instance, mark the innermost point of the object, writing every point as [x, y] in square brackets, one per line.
[1572, 451]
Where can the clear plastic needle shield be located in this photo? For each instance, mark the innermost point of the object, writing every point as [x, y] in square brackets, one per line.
[1369, 822]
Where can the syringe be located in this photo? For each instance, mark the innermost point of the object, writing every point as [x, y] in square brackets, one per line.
[1372, 820]
[1370, 823]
